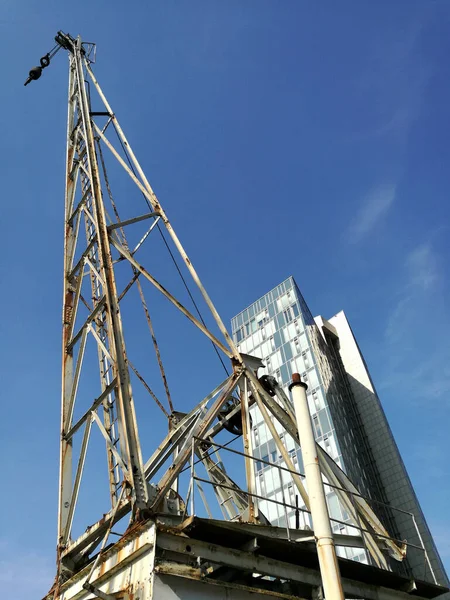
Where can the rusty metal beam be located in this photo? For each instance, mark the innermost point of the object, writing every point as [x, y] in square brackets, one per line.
[271, 567]
[65, 459]
[77, 482]
[170, 297]
[129, 439]
[95, 405]
[131, 221]
[248, 450]
[183, 457]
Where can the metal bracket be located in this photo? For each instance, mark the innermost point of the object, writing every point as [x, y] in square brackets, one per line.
[98, 593]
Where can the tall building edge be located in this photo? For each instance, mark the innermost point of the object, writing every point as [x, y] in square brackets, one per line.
[348, 419]
[395, 480]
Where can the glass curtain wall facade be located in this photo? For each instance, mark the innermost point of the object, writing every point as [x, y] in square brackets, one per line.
[279, 329]
[348, 421]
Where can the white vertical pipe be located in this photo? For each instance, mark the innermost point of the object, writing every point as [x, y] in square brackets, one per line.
[329, 568]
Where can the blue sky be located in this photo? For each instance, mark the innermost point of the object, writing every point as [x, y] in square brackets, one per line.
[282, 138]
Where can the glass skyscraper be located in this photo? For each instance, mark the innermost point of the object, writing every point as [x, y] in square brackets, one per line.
[347, 417]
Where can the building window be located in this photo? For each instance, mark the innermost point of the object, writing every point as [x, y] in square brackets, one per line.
[316, 401]
[261, 318]
[263, 485]
[317, 426]
[279, 338]
[250, 327]
[306, 359]
[282, 302]
[288, 315]
[256, 436]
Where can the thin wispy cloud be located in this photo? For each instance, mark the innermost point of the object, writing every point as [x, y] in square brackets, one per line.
[415, 289]
[373, 208]
[418, 358]
[423, 267]
[420, 274]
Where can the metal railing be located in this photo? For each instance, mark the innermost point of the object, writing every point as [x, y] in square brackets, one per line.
[349, 524]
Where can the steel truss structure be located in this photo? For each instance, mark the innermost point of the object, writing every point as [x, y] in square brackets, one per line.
[96, 242]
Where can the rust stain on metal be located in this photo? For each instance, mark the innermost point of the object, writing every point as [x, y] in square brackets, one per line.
[134, 528]
[65, 449]
[296, 378]
[120, 555]
[68, 311]
[102, 567]
[182, 570]
[129, 590]
[70, 154]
